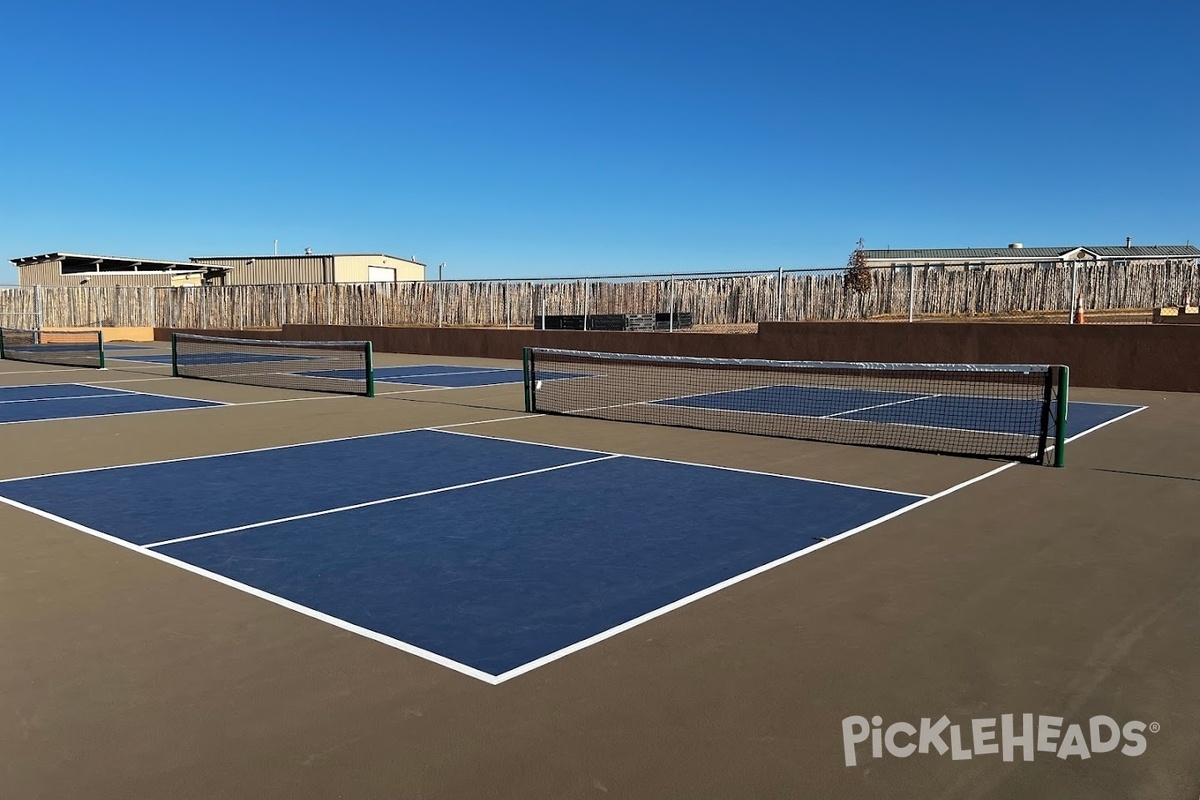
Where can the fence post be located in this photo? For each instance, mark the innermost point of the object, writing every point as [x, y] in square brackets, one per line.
[38, 318]
[671, 313]
[912, 290]
[586, 285]
[779, 297]
[543, 290]
[1071, 310]
[441, 300]
[507, 309]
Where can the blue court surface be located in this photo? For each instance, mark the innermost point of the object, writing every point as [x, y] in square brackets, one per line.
[67, 400]
[954, 412]
[484, 555]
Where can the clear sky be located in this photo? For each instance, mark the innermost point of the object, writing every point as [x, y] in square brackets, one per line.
[567, 137]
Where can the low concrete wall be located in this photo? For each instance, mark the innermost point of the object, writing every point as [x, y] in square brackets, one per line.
[125, 334]
[1155, 357]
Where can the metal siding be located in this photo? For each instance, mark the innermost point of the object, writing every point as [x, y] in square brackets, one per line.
[44, 274]
[49, 273]
[270, 269]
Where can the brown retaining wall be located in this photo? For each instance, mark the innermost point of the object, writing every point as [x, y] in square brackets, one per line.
[1155, 357]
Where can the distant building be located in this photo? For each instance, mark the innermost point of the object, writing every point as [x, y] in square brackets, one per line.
[310, 268]
[74, 269]
[1018, 255]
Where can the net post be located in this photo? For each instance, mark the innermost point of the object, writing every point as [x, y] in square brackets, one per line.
[100, 345]
[527, 368]
[1, 343]
[174, 355]
[1060, 426]
[368, 355]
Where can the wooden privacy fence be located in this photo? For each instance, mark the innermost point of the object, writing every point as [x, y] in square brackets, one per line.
[711, 299]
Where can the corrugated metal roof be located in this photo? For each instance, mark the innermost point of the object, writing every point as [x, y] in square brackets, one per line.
[1034, 253]
[40, 259]
[303, 255]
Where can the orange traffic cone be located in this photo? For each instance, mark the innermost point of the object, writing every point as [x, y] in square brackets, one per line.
[1079, 310]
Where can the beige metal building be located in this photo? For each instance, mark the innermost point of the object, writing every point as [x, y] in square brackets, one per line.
[75, 269]
[313, 268]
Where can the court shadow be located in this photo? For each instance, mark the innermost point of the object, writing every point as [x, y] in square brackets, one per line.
[1147, 474]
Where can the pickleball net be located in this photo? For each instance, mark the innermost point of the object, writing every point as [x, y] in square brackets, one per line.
[65, 348]
[1009, 411]
[340, 367]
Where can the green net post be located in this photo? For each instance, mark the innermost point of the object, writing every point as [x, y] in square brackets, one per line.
[100, 344]
[174, 355]
[1060, 427]
[370, 358]
[527, 366]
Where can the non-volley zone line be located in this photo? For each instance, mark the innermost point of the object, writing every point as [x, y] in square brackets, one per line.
[496, 557]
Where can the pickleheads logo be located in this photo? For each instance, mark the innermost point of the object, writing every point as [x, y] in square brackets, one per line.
[982, 737]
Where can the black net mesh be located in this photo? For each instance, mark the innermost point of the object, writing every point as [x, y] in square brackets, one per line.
[342, 367]
[68, 348]
[1001, 411]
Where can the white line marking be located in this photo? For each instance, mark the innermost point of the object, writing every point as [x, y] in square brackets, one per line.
[231, 453]
[115, 414]
[881, 405]
[378, 502]
[1130, 413]
[407, 391]
[683, 601]
[167, 396]
[259, 593]
[48, 399]
[137, 380]
[38, 385]
[808, 416]
[510, 419]
[690, 464]
[468, 371]
[49, 371]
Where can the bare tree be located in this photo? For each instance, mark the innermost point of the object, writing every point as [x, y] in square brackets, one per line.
[858, 276]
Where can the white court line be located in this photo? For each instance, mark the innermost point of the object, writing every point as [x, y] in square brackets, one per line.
[169, 396]
[131, 380]
[39, 385]
[544, 660]
[725, 584]
[110, 414]
[370, 503]
[880, 405]
[407, 391]
[231, 453]
[479, 371]
[1106, 423]
[48, 399]
[809, 416]
[690, 464]
[48, 371]
[259, 593]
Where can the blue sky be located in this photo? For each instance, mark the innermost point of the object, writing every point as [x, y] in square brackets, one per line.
[557, 138]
